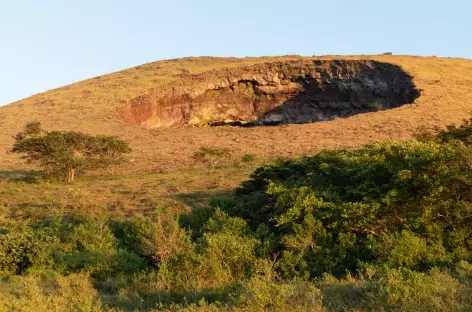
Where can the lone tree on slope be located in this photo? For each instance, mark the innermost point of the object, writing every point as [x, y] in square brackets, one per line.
[62, 153]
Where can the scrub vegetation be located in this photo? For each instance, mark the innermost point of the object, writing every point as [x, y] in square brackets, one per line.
[381, 227]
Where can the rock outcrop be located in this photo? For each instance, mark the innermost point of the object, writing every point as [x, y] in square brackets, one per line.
[274, 93]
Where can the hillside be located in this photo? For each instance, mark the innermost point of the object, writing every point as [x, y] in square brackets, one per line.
[200, 219]
[143, 105]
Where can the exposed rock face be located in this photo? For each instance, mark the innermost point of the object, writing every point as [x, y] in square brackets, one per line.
[274, 93]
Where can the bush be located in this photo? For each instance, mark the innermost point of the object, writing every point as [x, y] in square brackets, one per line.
[224, 253]
[405, 290]
[67, 245]
[51, 292]
[248, 158]
[330, 212]
[211, 156]
[227, 244]
[263, 295]
[22, 249]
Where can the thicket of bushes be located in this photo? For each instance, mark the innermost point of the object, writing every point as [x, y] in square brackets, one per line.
[384, 227]
[396, 204]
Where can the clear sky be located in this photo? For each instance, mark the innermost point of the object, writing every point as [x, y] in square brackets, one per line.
[49, 43]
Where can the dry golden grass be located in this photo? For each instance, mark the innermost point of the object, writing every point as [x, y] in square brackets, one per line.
[22, 194]
[91, 106]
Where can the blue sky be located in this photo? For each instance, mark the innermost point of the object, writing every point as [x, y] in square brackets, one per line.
[49, 43]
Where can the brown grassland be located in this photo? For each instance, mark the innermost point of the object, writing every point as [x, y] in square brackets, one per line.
[162, 170]
[92, 106]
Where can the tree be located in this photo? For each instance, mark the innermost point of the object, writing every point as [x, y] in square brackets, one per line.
[62, 153]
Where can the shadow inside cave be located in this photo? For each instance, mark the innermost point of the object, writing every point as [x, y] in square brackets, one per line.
[327, 95]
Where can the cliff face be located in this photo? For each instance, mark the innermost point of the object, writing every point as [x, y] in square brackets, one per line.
[274, 93]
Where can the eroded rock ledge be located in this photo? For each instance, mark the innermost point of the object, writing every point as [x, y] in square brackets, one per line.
[274, 93]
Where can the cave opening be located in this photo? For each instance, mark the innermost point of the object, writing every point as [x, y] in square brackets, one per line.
[286, 93]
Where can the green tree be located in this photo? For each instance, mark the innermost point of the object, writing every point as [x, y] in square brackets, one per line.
[62, 153]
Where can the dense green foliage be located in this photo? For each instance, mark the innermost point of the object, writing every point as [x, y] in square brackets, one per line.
[384, 227]
[92, 263]
[400, 204]
[61, 153]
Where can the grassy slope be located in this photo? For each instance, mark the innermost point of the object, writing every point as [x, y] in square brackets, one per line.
[91, 106]
[22, 195]
[446, 98]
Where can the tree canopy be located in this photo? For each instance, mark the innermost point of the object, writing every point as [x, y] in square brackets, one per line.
[62, 153]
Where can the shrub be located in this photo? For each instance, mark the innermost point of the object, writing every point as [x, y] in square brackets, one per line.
[224, 253]
[66, 245]
[154, 240]
[226, 243]
[405, 290]
[211, 156]
[248, 158]
[53, 293]
[22, 249]
[332, 211]
[263, 295]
